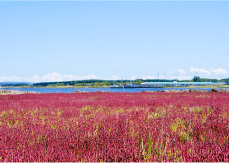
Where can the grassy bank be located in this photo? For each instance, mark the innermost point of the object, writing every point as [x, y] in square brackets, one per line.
[206, 86]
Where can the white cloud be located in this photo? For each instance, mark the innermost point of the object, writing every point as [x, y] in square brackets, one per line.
[179, 74]
[199, 71]
[114, 77]
[178, 71]
[219, 71]
[10, 78]
[47, 78]
[180, 77]
[213, 73]
[132, 77]
[181, 71]
[148, 77]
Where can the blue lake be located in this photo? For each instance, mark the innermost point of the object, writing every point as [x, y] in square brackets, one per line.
[70, 90]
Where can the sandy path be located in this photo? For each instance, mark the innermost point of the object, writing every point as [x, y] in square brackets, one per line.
[7, 92]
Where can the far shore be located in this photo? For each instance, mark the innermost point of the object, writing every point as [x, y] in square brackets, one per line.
[70, 86]
[16, 92]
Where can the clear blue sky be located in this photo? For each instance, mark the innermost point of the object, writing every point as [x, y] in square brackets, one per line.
[48, 41]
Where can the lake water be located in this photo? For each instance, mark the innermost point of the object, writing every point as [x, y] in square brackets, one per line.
[70, 90]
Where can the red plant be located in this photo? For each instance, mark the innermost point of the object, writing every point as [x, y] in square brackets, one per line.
[127, 127]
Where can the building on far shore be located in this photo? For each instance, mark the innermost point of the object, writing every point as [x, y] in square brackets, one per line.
[180, 83]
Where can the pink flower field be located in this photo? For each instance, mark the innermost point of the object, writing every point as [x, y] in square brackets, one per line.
[107, 127]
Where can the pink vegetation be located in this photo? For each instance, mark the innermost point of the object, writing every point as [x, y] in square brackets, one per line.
[115, 127]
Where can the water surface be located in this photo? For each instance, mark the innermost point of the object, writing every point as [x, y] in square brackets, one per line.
[71, 90]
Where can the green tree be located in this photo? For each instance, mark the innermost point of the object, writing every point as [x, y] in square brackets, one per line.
[196, 78]
[138, 81]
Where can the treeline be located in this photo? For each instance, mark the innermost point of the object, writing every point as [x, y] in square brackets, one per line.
[97, 82]
[198, 79]
[14, 84]
[225, 80]
[64, 83]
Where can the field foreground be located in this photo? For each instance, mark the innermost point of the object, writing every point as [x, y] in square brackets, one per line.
[115, 127]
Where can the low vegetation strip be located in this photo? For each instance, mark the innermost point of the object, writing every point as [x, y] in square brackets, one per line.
[7, 92]
[127, 127]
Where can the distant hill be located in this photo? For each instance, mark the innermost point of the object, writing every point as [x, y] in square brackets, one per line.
[15, 83]
[96, 82]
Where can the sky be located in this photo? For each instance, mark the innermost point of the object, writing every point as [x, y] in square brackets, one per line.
[45, 41]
